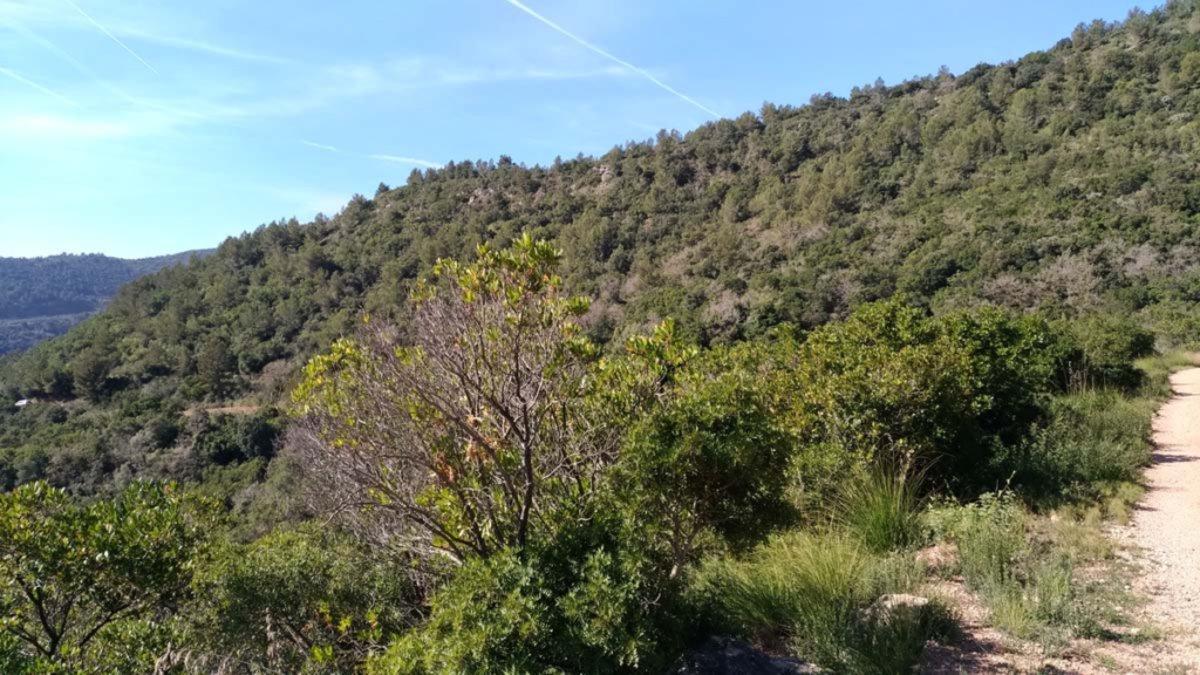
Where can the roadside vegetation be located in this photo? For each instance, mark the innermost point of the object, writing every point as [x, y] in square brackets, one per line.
[809, 379]
[505, 496]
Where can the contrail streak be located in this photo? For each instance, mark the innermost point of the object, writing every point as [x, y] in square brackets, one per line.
[30, 83]
[611, 57]
[30, 35]
[406, 160]
[112, 37]
[321, 146]
[75, 63]
[395, 159]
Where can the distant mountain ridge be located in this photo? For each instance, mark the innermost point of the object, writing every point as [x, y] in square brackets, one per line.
[43, 297]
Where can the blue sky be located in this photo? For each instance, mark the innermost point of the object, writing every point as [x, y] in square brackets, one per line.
[141, 127]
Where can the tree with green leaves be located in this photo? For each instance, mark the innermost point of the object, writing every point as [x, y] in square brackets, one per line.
[473, 436]
[70, 572]
[217, 367]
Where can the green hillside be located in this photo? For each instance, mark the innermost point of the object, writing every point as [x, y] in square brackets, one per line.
[43, 297]
[584, 417]
[1065, 181]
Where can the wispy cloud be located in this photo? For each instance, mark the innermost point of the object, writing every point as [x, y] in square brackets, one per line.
[611, 57]
[320, 146]
[394, 159]
[13, 75]
[63, 128]
[195, 45]
[112, 37]
[397, 159]
[464, 76]
[308, 201]
[74, 62]
[41, 12]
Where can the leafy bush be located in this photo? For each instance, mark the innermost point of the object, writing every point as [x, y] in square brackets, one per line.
[15, 661]
[1107, 347]
[226, 439]
[298, 599]
[72, 576]
[710, 457]
[591, 601]
[1176, 322]
[491, 618]
[949, 394]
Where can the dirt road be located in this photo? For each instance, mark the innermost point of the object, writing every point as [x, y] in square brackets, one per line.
[1167, 522]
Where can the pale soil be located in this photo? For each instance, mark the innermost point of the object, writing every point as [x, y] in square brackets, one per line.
[1160, 551]
[1166, 526]
[224, 410]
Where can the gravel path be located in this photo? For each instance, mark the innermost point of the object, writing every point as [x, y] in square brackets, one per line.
[1166, 524]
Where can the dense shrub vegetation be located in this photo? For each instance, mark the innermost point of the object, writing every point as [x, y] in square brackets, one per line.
[1063, 181]
[43, 297]
[506, 496]
[725, 382]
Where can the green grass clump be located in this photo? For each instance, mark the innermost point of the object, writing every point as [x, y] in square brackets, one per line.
[990, 540]
[882, 509]
[1093, 440]
[813, 594]
[1158, 369]
[1027, 581]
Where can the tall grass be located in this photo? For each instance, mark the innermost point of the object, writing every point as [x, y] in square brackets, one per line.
[1029, 586]
[882, 509]
[811, 593]
[1158, 369]
[1092, 441]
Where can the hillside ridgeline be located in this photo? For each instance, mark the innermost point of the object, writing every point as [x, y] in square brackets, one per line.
[43, 297]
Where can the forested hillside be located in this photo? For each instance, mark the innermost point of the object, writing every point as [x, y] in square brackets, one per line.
[43, 297]
[581, 417]
[1066, 181]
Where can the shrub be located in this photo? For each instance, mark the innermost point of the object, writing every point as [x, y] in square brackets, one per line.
[597, 597]
[951, 392]
[72, 574]
[297, 598]
[491, 618]
[878, 386]
[226, 439]
[1176, 322]
[710, 458]
[1014, 361]
[1107, 346]
[467, 436]
[14, 661]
